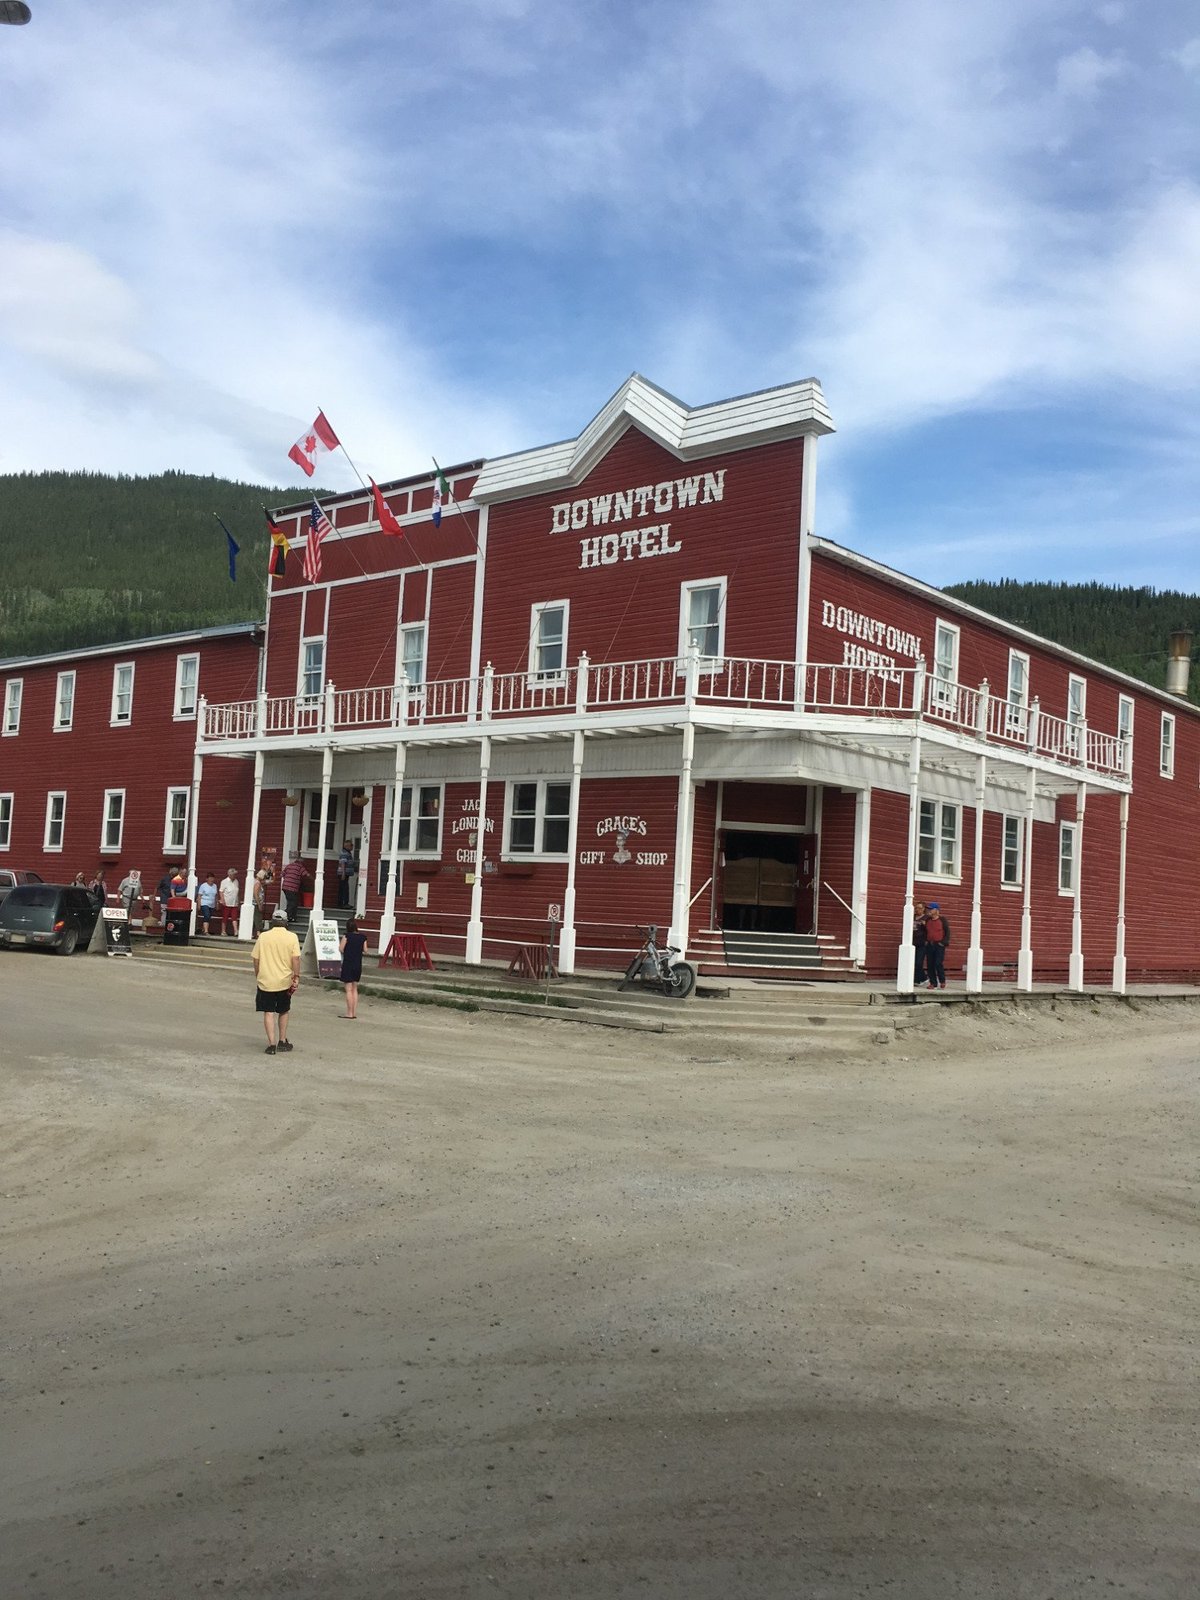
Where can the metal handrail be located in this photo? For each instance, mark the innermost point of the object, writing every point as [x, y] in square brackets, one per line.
[840, 901]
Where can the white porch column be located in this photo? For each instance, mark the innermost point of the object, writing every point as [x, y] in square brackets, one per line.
[364, 854]
[808, 500]
[566, 937]
[681, 897]
[318, 904]
[387, 922]
[975, 948]
[906, 955]
[193, 828]
[1025, 955]
[1119, 958]
[862, 868]
[475, 925]
[246, 913]
[1075, 970]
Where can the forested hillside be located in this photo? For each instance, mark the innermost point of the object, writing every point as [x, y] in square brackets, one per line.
[1124, 627]
[88, 559]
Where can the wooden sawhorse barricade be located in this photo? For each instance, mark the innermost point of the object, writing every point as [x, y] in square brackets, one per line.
[533, 961]
[407, 951]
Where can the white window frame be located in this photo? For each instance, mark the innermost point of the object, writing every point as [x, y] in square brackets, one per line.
[1068, 856]
[175, 829]
[540, 676]
[410, 822]
[303, 672]
[540, 818]
[1010, 823]
[708, 663]
[115, 719]
[107, 846]
[184, 713]
[51, 820]
[1166, 745]
[1017, 696]
[945, 663]
[937, 838]
[1125, 711]
[409, 631]
[312, 824]
[1076, 712]
[61, 724]
[14, 693]
[6, 818]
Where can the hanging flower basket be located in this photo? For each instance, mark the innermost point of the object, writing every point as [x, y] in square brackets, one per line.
[291, 799]
[359, 799]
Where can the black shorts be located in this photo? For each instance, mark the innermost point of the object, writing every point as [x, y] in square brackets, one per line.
[273, 1000]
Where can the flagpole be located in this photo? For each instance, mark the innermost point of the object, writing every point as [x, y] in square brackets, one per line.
[461, 510]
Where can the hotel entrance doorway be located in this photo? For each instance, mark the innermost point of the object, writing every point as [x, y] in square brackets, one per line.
[767, 881]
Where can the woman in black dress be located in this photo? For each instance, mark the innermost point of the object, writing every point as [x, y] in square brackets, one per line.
[351, 944]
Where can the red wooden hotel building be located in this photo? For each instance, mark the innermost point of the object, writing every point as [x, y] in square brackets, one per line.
[625, 682]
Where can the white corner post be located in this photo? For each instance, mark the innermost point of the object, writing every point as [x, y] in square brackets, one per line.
[862, 867]
[566, 937]
[1119, 959]
[387, 922]
[364, 854]
[682, 893]
[975, 948]
[808, 501]
[246, 912]
[193, 829]
[1025, 954]
[318, 904]
[906, 955]
[475, 925]
[1075, 970]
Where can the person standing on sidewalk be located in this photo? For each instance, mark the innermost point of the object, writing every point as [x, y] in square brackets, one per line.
[229, 893]
[276, 958]
[937, 942]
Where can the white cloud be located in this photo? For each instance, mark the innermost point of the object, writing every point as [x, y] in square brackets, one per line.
[1188, 55]
[1085, 70]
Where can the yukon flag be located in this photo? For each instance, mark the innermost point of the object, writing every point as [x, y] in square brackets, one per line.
[280, 548]
[318, 439]
[384, 513]
[441, 491]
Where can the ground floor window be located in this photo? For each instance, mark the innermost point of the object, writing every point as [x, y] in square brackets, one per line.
[6, 805]
[114, 819]
[938, 840]
[56, 820]
[420, 820]
[312, 827]
[1068, 859]
[539, 818]
[175, 831]
[1012, 853]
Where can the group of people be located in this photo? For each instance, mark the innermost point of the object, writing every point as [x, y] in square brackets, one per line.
[931, 940]
[276, 959]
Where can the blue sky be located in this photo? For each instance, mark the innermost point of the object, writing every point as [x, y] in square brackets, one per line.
[459, 226]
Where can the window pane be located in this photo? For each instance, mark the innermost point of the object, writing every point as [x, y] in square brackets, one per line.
[524, 798]
[925, 852]
[949, 839]
[522, 833]
[413, 659]
[704, 627]
[550, 640]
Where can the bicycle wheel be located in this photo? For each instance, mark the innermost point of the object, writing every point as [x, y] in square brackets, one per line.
[680, 981]
[632, 971]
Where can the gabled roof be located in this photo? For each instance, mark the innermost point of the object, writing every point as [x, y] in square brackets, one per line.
[687, 432]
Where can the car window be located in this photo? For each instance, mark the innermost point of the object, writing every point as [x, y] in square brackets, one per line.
[45, 896]
[6, 880]
[79, 900]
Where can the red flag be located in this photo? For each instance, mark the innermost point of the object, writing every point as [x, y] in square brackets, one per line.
[384, 512]
[310, 444]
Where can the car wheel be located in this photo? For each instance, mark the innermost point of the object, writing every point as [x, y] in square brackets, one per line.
[70, 939]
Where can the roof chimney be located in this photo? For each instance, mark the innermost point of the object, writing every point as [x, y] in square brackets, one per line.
[1179, 663]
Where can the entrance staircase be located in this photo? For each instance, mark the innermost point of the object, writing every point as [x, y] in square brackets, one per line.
[730, 952]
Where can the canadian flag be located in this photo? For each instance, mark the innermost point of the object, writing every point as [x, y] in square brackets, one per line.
[309, 445]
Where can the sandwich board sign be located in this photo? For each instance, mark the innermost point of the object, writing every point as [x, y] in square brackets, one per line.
[325, 936]
[113, 928]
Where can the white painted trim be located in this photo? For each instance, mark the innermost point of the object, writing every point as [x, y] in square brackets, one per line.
[6, 822]
[105, 847]
[177, 714]
[168, 845]
[55, 794]
[19, 685]
[114, 720]
[59, 725]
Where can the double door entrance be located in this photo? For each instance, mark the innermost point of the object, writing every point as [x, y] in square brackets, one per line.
[767, 881]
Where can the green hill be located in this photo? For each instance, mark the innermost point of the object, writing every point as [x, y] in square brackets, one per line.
[89, 559]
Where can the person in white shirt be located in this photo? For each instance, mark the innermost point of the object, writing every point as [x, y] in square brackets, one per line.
[229, 892]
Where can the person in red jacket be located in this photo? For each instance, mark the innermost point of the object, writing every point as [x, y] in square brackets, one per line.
[937, 942]
[291, 884]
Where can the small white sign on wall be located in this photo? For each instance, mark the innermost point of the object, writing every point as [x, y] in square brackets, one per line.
[422, 897]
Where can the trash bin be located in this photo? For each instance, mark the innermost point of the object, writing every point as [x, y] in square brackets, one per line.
[178, 920]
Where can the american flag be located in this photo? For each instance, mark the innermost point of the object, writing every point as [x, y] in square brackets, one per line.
[318, 526]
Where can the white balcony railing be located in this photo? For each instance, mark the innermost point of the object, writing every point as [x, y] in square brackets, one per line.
[729, 681]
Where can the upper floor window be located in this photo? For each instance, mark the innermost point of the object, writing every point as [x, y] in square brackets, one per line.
[945, 662]
[548, 639]
[938, 840]
[1012, 852]
[1125, 728]
[56, 820]
[114, 820]
[702, 620]
[6, 809]
[539, 818]
[1018, 691]
[1068, 860]
[64, 701]
[312, 668]
[412, 654]
[1166, 746]
[187, 681]
[122, 693]
[1076, 710]
[13, 690]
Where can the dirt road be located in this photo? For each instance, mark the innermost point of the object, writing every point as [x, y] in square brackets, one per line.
[452, 1306]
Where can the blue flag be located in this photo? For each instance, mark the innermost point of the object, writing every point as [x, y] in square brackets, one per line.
[233, 549]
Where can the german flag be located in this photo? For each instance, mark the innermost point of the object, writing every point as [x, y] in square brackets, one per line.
[277, 563]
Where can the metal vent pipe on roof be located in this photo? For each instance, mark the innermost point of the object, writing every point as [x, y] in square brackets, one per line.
[1179, 663]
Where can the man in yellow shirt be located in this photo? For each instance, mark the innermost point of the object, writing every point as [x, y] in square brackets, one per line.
[276, 957]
